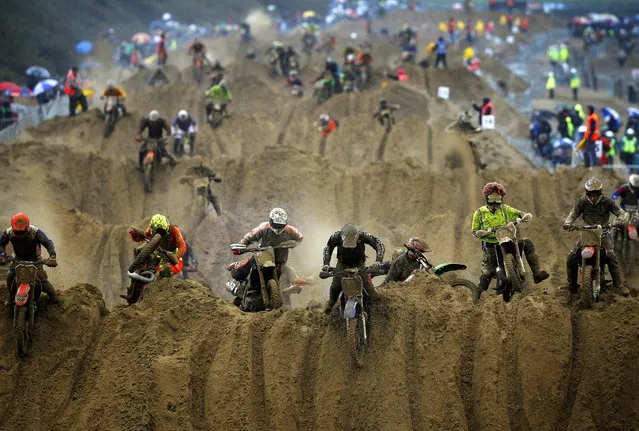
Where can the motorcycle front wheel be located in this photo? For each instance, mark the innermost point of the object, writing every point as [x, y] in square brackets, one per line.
[22, 331]
[514, 283]
[585, 293]
[356, 338]
[274, 292]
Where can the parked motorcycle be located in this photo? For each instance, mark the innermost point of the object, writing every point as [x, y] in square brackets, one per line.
[145, 267]
[440, 270]
[113, 112]
[511, 272]
[28, 291]
[153, 159]
[354, 309]
[261, 290]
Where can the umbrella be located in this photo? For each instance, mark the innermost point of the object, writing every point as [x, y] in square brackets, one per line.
[38, 71]
[4, 86]
[309, 14]
[157, 24]
[43, 86]
[632, 112]
[84, 47]
[141, 38]
[18, 92]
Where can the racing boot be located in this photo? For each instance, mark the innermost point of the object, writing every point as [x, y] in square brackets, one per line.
[538, 274]
[50, 291]
[484, 282]
[617, 281]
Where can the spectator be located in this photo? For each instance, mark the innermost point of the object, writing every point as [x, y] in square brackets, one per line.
[73, 90]
[551, 84]
[629, 147]
[575, 83]
[485, 109]
[588, 143]
[451, 30]
[441, 53]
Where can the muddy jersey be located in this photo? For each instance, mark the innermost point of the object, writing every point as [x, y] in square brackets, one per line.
[155, 128]
[27, 247]
[268, 238]
[402, 268]
[353, 257]
[629, 197]
[595, 214]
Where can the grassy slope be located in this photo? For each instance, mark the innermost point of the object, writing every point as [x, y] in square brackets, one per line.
[44, 32]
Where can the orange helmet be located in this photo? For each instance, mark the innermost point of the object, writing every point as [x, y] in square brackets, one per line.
[20, 222]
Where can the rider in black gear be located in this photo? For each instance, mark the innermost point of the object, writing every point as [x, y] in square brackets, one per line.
[156, 126]
[350, 243]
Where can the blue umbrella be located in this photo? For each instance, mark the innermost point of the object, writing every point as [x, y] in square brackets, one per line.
[38, 71]
[84, 47]
[18, 92]
[44, 86]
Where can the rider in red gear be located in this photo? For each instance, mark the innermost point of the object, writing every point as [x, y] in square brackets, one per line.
[172, 240]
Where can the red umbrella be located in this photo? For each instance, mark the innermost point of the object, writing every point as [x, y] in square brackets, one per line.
[4, 86]
[141, 38]
[18, 92]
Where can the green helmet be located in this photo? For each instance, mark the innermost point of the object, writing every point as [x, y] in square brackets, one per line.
[159, 221]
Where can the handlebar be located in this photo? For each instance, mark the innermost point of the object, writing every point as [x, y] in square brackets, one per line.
[251, 249]
[333, 272]
[10, 259]
[583, 228]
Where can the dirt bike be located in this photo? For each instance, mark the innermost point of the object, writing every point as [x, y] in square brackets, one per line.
[386, 119]
[354, 309]
[144, 269]
[216, 116]
[440, 270]
[309, 41]
[198, 68]
[464, 123]
[626, 241]
[322, 90]
[297, 91]
[593, 259]
[153, 160]
[363, 76]
[184, 147]
[510, 271]
[261, 290]
[112, 114]
[28, 292]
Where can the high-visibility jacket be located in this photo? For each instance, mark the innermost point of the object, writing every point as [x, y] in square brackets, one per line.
[570, 128]
[613, 148]
[71, 85]
[564, 54]
[629, 145]
[575, 81]
[592, 131]
[551, 84]
[486, 107]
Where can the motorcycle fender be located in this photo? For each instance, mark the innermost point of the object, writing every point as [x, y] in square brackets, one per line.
[632, 232]
[149, 157]
[350, 309]
[443, 268]
[22, 295]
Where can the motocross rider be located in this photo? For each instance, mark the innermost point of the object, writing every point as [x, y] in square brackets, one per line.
[113, 90]
[327, 124]
[27, 241]
[406, 263]
[294, 79]
[198, 50]
[350, 243]
[217, 74]
[628, 192]
[496, 214]
[277, 54]
[183, 123]
[221, 92]
[595, 210]
[172, 242]
[331, 68]
[271, 233]
[385, 110]
[156, 125]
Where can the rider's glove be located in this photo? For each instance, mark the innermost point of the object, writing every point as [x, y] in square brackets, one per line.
[236, 251]
[481, 233]
[618, 223]
[376, 265]
[139, 139]
[526, 217]
[52, 262]
[567, 226]
[326, 268]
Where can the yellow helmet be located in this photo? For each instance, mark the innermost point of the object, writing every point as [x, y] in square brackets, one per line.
[159, 221]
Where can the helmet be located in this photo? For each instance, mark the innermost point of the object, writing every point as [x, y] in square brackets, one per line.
[353, 36]
[634, 180]
[550, 74]
[292, 73]
[382, 101]
[493, 192]
[324, 117]
[594, 189]
[159, 221]
[630, 131]
[349, 235]
[19, 222]
[154, 115]
[573, 70]
[329, 59]
[183, 115]
[350, 57]
[111, 85]
[418, 244]
[609, 134]
[277, 218]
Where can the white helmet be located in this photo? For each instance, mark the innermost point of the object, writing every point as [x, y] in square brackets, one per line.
[550, 74]
[183, 115]
[630, 132]
[277, 218]
[573, 70]
[350, 57]
[324, 117]
[609, 134]
[154, 115]
[634, 180]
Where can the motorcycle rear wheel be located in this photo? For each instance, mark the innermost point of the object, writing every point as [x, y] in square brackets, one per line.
[22, 332]
[462, 282]
[585, 292]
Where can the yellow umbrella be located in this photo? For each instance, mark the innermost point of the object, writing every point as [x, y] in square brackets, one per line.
[461, 25]
[443, 27]
[469, 53]
[502, 20]
[309, 14]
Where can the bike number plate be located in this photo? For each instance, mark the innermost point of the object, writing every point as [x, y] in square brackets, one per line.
[351, 286]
